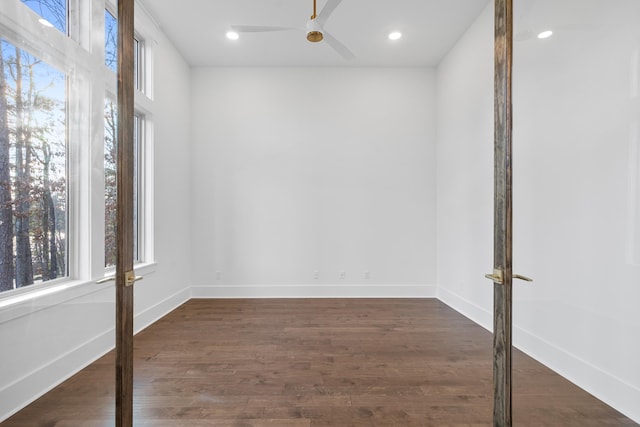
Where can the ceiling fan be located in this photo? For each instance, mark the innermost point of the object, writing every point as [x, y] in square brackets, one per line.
[314, 29]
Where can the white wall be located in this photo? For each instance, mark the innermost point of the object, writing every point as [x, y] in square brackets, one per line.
[293, 171]
[54, 336]
[575, 193]
[304, 170]
[168, 286]
[465, 172]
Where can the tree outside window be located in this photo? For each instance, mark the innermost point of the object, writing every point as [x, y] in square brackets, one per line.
[54, 12]
[110, 172]
[33, 181]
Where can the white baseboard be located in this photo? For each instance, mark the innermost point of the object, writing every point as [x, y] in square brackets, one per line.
[30, 387]
[606, 387]
[314, 291]
[25, 390]
[610, 389]
[156, 312]
[613, 391]
[467, 308]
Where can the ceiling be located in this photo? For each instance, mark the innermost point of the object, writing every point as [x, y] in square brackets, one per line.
[429, 27]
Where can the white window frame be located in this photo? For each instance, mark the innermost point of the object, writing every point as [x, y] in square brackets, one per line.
[80, 55]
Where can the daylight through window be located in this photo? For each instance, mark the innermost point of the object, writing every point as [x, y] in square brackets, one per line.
[110, 171]
[53, 12]
[33, 168]
[58, 113]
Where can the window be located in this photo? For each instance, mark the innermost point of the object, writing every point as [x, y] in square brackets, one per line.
[54, 120]
[111, 49]
[33, 170]
[110, 171]
[137, 65]
[110, 148]
[53, 12]
[110, 41]
[110, 135]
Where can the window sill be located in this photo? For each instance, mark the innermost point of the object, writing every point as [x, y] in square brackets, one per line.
[23, 304]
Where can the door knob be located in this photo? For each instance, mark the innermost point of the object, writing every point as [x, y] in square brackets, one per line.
[129, 278]
[498, 277]
[106, 279]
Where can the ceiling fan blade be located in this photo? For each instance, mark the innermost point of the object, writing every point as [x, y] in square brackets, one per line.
[327, 11]
[338, 46]
[258, 28]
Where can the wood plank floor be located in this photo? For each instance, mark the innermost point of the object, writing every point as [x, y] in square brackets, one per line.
[329, 362]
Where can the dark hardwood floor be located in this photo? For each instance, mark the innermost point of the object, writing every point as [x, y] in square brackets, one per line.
[328, 362]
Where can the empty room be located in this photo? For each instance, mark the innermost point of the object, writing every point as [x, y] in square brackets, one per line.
[303, 213]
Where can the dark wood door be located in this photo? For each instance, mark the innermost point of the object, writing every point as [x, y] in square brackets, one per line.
[125, 277]
[502, 266]
[502, 275]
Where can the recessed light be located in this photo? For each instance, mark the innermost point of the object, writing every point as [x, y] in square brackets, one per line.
[45, 22]
[545, 34]
[232, 35]
[396, 35]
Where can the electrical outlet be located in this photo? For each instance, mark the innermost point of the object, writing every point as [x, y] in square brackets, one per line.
[316, 275]
[366, 275]
[218, 275]
[343, 275]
